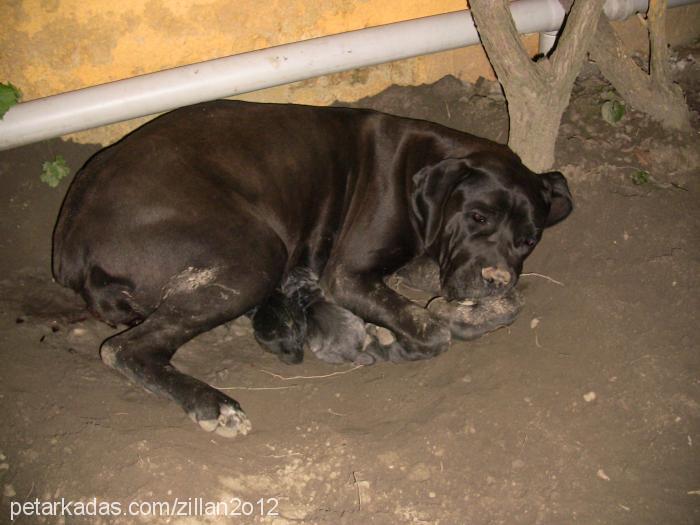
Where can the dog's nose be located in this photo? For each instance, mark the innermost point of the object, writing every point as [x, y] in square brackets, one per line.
[496, 276]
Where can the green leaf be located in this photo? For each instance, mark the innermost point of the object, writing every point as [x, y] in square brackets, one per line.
[612, 111]
[641, 177]
[54, 171]
[609, 94]
[9, 96]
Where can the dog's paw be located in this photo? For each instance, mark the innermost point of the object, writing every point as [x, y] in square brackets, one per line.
[220, 414]
[421, 274]
[377, 345]
[383, 344]
[471, 319]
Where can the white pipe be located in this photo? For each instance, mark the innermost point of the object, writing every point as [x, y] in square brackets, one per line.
[225, 77]
[623, 9]
[547, 41]
[614, 10]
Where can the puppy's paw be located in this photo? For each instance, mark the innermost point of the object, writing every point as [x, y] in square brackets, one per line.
[336, 335]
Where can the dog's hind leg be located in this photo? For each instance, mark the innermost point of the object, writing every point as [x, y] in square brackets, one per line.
[193, 302]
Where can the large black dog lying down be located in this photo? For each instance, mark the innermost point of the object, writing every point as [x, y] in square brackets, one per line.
[293, 215]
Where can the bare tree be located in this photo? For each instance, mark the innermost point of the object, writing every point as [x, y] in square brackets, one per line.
[653, 93]
[537, 93]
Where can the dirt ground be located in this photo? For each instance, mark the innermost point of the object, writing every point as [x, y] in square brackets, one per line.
[586, 410]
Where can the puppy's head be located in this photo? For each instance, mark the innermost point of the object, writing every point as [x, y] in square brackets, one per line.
[481, 216]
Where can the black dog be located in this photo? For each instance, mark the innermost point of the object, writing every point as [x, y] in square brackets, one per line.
[293, 215]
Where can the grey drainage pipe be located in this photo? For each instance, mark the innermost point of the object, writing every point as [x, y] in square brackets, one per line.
[225, 77]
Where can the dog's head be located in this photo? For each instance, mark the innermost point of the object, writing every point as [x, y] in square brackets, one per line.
[481, 216]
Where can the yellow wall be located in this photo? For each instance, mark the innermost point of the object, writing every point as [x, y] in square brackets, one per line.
[52, 46]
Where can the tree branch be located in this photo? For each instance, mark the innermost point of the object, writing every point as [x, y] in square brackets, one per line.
[574, 40]
[610, 55]
[654, 94]
[502, 43]
[658, 45]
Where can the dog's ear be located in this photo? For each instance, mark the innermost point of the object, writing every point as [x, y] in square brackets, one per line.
[559, 196]
[432, 186]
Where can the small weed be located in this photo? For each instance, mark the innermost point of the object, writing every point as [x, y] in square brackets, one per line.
[54, 171]
[9, 96]
[641, 177]
[612, 111]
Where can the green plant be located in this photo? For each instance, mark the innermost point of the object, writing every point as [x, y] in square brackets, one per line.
[612, 111]
[641, 177]
[9, 96]
[54, 171]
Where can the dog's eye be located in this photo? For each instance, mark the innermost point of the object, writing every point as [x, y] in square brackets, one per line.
[478, 218]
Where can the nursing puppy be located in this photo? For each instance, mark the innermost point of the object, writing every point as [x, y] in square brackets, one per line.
[293, 215]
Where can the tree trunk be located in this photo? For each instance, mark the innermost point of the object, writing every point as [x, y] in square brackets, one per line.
[537, 92]
[654, 94]
[534, 125]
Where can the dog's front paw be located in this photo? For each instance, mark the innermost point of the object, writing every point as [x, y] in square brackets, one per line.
[377, 345]
[471, 319]
[432, 339]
